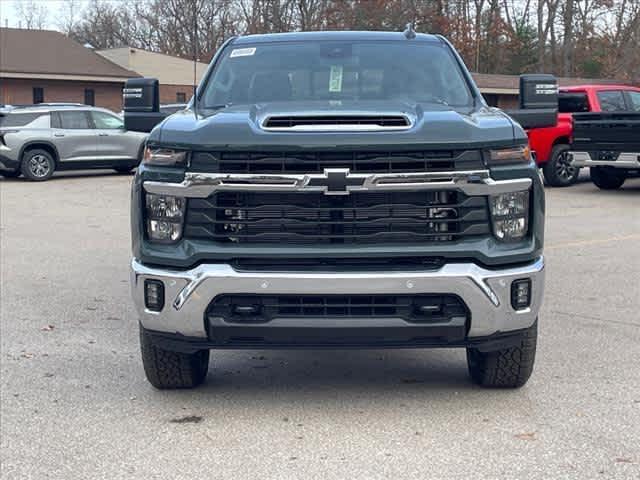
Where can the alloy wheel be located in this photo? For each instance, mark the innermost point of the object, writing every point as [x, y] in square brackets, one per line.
[39, 166]
[564, 169]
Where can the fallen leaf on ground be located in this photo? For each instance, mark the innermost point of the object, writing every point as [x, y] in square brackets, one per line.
[526, 436]
[47, 328]
[623, 460]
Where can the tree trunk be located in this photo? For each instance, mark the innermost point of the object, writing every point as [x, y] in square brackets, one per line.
[567, 43]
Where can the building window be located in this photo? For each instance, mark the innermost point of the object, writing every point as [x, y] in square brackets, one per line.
[89, 97]
[181, 97]
[38, 95]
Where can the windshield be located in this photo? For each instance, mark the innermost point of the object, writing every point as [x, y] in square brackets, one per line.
[302, 71]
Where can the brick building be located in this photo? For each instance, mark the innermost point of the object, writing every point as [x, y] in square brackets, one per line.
[47, 66]
[176, 75]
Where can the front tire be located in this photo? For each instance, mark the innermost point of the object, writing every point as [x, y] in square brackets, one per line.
[558, 171]
[506, 368]
[37, 165]
[607, 178]
[126, 169]
[166, 369]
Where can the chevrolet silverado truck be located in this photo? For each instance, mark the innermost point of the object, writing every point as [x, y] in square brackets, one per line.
[336, 190]
[552, 144]
[609, 144]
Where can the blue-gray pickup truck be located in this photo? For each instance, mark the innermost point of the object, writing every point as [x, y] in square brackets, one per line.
[336, 190]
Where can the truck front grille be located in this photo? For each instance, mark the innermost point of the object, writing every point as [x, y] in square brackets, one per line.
[315, 218]
[428, 308]
[355, 161]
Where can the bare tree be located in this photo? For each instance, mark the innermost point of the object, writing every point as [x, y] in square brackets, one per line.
[567, 42]
[69, 13]
[567, 37]
[30, 14]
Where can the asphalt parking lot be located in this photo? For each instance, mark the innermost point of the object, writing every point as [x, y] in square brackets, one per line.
[75, 403]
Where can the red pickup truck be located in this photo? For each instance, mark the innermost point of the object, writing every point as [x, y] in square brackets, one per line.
[551, 144]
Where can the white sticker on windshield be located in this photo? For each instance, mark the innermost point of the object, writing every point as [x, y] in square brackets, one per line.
[243, 52]
[335, 78]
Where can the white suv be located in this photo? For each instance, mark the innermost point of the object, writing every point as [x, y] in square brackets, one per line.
[36, 140]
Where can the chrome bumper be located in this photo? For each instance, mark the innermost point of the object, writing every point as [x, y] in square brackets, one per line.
[487, 293]
[625, 160]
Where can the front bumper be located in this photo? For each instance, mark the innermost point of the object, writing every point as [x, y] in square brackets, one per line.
[628, 160]
[486, 293]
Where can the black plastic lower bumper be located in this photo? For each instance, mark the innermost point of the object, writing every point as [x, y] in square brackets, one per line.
[7, 164]
[333, 338]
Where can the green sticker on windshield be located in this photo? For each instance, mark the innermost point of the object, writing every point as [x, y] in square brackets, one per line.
[335, 78]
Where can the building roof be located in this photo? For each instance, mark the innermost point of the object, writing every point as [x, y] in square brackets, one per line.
[52, 55]
[169, 70]
[510, 84]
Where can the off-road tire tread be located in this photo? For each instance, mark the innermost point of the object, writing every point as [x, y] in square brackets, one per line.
[506, 368]
[171, 370]
[606, 179]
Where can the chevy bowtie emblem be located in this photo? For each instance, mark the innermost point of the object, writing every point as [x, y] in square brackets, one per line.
[336, 181]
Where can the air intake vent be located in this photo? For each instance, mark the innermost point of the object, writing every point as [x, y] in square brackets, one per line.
[336, 122]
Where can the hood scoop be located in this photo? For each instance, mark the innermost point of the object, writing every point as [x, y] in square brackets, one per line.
[336, 123]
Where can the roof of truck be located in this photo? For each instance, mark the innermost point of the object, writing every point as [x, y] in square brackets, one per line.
[598, 86]
[333, 35]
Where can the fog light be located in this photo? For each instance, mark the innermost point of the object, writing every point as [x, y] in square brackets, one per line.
[153, 295]
[521, 293]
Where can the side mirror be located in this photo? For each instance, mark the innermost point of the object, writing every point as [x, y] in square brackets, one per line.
[142, 104]
[538, 101]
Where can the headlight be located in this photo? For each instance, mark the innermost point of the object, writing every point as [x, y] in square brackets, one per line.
[164, 156]
[165, 216]
[510, 215]
[509, 156]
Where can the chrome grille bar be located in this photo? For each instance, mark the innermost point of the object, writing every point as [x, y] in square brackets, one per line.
[472, 183]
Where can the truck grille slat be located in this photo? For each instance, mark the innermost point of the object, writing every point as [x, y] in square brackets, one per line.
[314, 218]
[316, 162]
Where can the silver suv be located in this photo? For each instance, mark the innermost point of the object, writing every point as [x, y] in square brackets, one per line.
[36, 140]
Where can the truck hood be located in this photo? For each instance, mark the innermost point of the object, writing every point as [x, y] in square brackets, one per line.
[432, 126]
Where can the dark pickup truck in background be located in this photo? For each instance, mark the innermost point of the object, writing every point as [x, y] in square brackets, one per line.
[609, 144]
[338, 190]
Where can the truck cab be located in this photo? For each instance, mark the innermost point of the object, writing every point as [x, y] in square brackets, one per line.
[551, 144]
[337, 190]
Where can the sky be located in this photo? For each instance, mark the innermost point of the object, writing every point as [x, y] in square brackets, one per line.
[8, 16]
